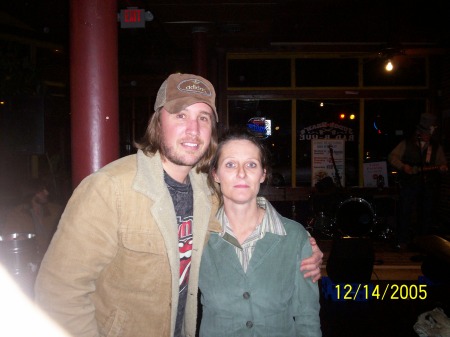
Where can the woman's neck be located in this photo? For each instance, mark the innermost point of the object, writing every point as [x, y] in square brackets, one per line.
[243, 219]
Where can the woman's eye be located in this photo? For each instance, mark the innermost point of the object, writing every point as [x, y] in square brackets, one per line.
[229, 164]
[252, 165]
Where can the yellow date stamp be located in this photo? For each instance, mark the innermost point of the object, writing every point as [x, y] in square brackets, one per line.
[388, 291]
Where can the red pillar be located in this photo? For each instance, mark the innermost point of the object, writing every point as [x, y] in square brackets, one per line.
[199, 48]
[93, 85]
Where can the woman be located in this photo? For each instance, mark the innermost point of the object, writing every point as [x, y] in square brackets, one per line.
[249, 276]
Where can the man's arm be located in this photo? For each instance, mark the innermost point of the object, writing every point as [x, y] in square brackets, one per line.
[83, 244]
[395, 156]
[311, 265]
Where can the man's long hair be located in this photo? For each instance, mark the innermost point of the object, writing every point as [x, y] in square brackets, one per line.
[151, 142]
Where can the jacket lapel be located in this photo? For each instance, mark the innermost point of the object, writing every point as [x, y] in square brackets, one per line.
[226, 255]
[263, 248]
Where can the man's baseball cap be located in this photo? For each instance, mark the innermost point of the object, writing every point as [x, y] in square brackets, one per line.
[179, 91]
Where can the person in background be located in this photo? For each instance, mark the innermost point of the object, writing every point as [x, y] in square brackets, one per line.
[420, 161]
[126, 256]
[249, 278]
[35, 214]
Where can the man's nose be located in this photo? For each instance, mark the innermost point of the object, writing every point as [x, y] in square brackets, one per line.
[192, 127]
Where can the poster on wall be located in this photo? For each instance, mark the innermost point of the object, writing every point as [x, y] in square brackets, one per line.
[375, 174]
[328, 160]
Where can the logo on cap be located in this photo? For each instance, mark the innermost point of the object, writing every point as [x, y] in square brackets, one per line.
[194, 86]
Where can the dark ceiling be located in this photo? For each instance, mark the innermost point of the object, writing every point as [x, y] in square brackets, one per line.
[302, 25]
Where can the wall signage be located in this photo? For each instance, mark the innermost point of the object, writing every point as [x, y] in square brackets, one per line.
[327, 130]
[260, 127]
[328, 160]
[132, 18]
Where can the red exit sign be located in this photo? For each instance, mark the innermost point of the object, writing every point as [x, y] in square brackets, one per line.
[132, 18]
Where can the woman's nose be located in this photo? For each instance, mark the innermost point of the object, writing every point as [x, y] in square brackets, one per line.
[241, 171]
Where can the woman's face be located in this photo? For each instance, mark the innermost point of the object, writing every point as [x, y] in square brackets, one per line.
[239, 171]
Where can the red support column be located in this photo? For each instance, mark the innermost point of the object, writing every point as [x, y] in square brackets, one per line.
[93, 85]
[199, 49]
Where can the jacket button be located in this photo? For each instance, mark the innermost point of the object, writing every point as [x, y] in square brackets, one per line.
[246, 295]
[249, 324]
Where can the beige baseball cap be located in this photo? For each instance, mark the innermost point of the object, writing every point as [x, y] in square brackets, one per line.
[181, 90]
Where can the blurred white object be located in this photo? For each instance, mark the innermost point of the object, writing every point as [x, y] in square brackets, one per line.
[433, 323]
[20, 316]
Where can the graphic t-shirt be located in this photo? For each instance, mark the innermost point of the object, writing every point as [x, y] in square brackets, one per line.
[182, 197]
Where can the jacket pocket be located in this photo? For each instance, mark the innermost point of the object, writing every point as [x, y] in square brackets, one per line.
[141, 263]
[142, 242]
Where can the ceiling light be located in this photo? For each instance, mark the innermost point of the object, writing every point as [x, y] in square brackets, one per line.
[389, 66]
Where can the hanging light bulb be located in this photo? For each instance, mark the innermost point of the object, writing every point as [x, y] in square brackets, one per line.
[389, 66]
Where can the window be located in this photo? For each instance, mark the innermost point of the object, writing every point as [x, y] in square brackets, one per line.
[328, 119]
[280, 140]
[259, 73]
[288, 89]
[326, 72]
[408, 71]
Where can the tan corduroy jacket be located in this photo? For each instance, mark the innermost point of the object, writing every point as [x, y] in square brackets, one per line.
[112, 268]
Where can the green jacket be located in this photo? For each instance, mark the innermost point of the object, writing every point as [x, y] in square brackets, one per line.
[264, 301]
[112, 268]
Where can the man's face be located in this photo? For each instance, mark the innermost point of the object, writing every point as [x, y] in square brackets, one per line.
[41, 197]
[424, 136]
[186, 135]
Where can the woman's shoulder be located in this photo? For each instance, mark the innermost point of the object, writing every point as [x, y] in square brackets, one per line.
[293, 227]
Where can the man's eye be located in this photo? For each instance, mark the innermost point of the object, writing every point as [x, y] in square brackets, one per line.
[181, 116]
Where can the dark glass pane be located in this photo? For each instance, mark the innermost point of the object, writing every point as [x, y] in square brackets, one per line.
[259, 73]
[326, 72]
[324, 122]
[279, 114]
[387, 122]
[408, 71]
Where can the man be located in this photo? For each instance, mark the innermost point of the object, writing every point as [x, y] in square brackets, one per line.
[125, 259]
[35, 214]
[419, 161]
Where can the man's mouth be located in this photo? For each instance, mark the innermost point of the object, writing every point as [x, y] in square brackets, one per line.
[191, 145]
